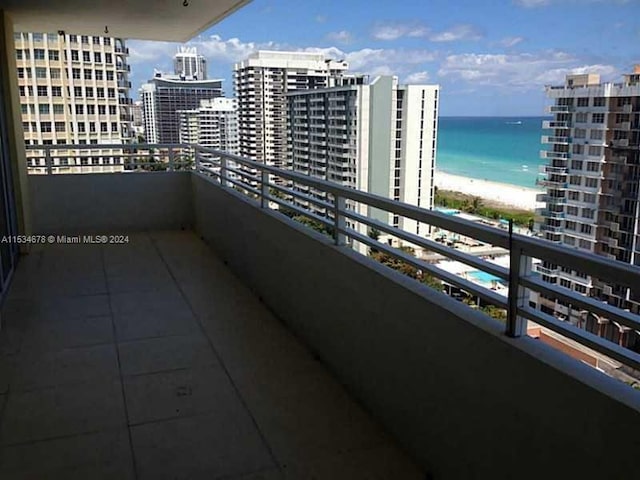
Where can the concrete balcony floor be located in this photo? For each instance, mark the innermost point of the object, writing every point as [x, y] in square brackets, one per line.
[151, 360]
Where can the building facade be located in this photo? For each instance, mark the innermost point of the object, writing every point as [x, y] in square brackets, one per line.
[378, 137]
[213, 124]
[190, 65]
[592, 198]
[164, 96]
[74, 89]
[261, 83]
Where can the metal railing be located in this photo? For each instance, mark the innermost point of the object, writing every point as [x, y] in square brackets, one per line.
[350, 214]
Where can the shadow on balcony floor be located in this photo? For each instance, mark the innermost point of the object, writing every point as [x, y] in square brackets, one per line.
[152, 360]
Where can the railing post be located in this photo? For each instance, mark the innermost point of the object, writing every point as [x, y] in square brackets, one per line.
[48, 161]
[223, 171]
[339, 221]
[264, 189]
[171, 159]
[519, 266]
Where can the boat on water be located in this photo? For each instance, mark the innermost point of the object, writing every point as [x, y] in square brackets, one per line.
[519, 122]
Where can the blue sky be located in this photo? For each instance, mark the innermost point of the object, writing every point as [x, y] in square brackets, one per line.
[490, 57]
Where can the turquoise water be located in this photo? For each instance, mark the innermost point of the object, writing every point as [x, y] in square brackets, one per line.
[484, 277]
[448, 211]
[491, 148]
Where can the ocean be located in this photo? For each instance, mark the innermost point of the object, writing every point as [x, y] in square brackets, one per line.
[501, 149]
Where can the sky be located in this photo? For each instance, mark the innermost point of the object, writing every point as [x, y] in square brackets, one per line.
[490, 57]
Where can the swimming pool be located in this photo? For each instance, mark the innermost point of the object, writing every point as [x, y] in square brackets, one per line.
[484, 277]
[447, 211]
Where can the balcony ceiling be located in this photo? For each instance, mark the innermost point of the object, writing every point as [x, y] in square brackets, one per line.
[167, 20]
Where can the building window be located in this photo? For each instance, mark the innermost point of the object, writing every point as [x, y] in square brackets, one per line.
[578, 149]
[107, 41]
[580, 133]
[583, 102]
[593, 166]
[589, 197]
[588, 212]
[112, 109]
[596, 134]
[81, 128]
[77, 91]
[97, 57]
[98, 74]
[109, 76]
[43, 108]
[100, 92]
[599, 102]
[41, 72]
[74, 56]
[108, 58]
[45, 127]
[24, 108]
[569, 240]
[86, 56]
[85, 39]
[572, 211]
[54, 73]
[38, 54]
[19, 54]
[102, 110]
[586, 244]
[92, 127]
[595, 151]
[570, 225]
[111, 93]
[574, 195]
[576, 164]
[565, 283]
[79, 109]
[581, 117]
[591, 182]
[575, 180]
[60, 127]
[58, 109]
[56, 91]
[114, 127]
[54, 55]
[76, 73]
[91, 109]
[104, 127]
[585, 228]
[597, 118]
[43, 91]
[89, 92]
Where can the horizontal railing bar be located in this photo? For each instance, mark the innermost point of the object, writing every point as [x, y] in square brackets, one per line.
[443, 275]
[240, 184]
[583, 337]
[587, 303]
[294, 193]
[587, 263]
[484, 233]
[306, 213]
[111, 146]
[448, 252]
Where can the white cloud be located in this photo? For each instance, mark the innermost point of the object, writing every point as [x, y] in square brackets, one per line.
[509, 42]
[417, 78]
[395, 30]
[342, 36]
[321, 18]
[457, 33]
[520, 71]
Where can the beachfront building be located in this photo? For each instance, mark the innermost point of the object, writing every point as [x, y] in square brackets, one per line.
[189, 64]
[375, 136]
[213, 124]
[592, 178]
[261, 82]
[74, 89]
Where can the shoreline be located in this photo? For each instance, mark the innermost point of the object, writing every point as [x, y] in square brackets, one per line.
[494, 193]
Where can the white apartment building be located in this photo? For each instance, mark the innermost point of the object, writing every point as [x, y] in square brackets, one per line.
[377, 136]
[74, 89]
[261, 83]
[213, 124]
[592, 199]
[190, 65]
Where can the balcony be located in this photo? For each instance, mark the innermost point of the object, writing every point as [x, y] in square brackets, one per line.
[552, 124]
[559, 109]
[559, 140]
[554, 155]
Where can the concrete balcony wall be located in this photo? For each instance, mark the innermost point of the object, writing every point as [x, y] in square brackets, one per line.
[467, 401]
[117, 203]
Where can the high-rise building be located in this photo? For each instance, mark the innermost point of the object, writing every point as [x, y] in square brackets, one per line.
[165, 95]
[261, 82]
[378, 137]
[136, 116]
[592, 180]
[74, 89]
[188, 64]
[213, 124]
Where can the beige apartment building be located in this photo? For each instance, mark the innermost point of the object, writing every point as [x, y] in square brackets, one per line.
[74, 89]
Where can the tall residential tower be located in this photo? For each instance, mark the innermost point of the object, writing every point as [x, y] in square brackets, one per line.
[592, 199]
[261, 83]
[74, 89]
[377, 136]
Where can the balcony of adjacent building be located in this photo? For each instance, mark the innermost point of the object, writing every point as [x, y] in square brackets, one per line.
[168, 321]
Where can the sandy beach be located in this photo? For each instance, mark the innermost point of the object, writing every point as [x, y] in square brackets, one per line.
[494, 192]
